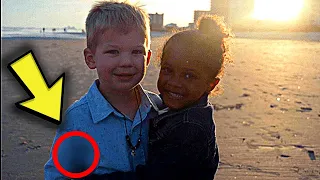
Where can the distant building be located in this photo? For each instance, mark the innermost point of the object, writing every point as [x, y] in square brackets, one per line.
[221, 8]
[233, 10]
[171, 27]
[240, 11]
[191, 26]
[198, 14]
[311, 12]
[156, 22]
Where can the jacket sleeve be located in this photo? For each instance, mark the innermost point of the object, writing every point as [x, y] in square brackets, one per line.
[186, 154]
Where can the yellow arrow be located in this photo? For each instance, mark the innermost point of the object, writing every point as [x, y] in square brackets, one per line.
[45, 101]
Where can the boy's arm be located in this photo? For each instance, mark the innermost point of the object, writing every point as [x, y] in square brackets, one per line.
[50, 170]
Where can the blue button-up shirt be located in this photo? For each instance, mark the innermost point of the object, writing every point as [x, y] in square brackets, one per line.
[94, 115]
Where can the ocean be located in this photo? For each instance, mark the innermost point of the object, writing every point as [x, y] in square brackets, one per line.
[73, 33]
[49, 33]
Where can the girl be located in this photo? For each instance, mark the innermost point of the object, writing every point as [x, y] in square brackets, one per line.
[182, 141]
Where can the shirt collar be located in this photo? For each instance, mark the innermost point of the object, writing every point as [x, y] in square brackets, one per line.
[100, 108]
[203, 101]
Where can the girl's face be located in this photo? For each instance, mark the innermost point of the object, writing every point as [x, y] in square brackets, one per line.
[182, 81]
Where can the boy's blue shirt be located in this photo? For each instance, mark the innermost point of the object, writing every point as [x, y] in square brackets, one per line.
[94, 115]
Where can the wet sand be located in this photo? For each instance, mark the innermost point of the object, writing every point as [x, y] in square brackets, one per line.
[268, 117]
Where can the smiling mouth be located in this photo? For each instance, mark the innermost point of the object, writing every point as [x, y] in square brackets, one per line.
[174, 95]
[124, 76]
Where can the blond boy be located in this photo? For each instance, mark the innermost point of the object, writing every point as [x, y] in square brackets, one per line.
[116, 109]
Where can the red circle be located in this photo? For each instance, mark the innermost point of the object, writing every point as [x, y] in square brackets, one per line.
[95, 158]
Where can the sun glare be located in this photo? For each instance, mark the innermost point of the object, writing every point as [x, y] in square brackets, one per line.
[277, 10]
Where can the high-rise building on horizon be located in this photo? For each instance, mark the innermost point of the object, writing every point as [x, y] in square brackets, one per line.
[311, 12]
[156, 22]
[233, 11]
[221, 8]
[240, 11]
[198, 14]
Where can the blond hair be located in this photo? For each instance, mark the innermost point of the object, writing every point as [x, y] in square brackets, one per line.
[119, 16]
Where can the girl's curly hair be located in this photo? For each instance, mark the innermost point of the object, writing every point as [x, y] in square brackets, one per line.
[211, 39]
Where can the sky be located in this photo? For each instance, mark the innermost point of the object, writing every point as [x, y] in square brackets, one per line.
[63, 13]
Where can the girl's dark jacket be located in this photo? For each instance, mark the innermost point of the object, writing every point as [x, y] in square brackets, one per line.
[182, 145]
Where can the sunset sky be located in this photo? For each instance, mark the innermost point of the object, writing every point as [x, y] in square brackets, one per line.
[277, 10]
[62, 13]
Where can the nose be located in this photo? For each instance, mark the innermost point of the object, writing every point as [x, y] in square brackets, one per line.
[126, 59]
[175, 81]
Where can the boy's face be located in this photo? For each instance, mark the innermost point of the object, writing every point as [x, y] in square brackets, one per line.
[182, 81]
[120, 59]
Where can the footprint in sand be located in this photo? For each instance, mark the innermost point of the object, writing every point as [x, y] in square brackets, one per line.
[247, 167]
[247, 123]
[218, 107]
[265, 137]
[29, 144]
[270, 135]
[304, 109]
[250, 144]
[307, 173]
[245, 95]
[284, 156]
[283, 110]
[294, 133]
[273, 105]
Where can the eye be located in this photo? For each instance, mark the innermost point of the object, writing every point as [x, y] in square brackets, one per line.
[113, 52]
[165, 70]
[190, 76]
[138, 52]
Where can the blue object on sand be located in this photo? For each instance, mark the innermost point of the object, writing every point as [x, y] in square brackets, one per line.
[311, 155]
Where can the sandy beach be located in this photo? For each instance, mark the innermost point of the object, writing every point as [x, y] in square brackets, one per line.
[268, 117]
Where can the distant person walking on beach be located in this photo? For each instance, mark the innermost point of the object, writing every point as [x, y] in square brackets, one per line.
[116, 109]
[182, 141]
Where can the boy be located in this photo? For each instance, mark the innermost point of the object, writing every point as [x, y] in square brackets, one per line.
[116, 109]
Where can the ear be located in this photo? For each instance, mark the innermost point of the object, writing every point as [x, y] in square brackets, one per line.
[89, 58]
[213, 84]
[149, 57]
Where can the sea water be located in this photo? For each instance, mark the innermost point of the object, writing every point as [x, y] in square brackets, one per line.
[48, 33]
